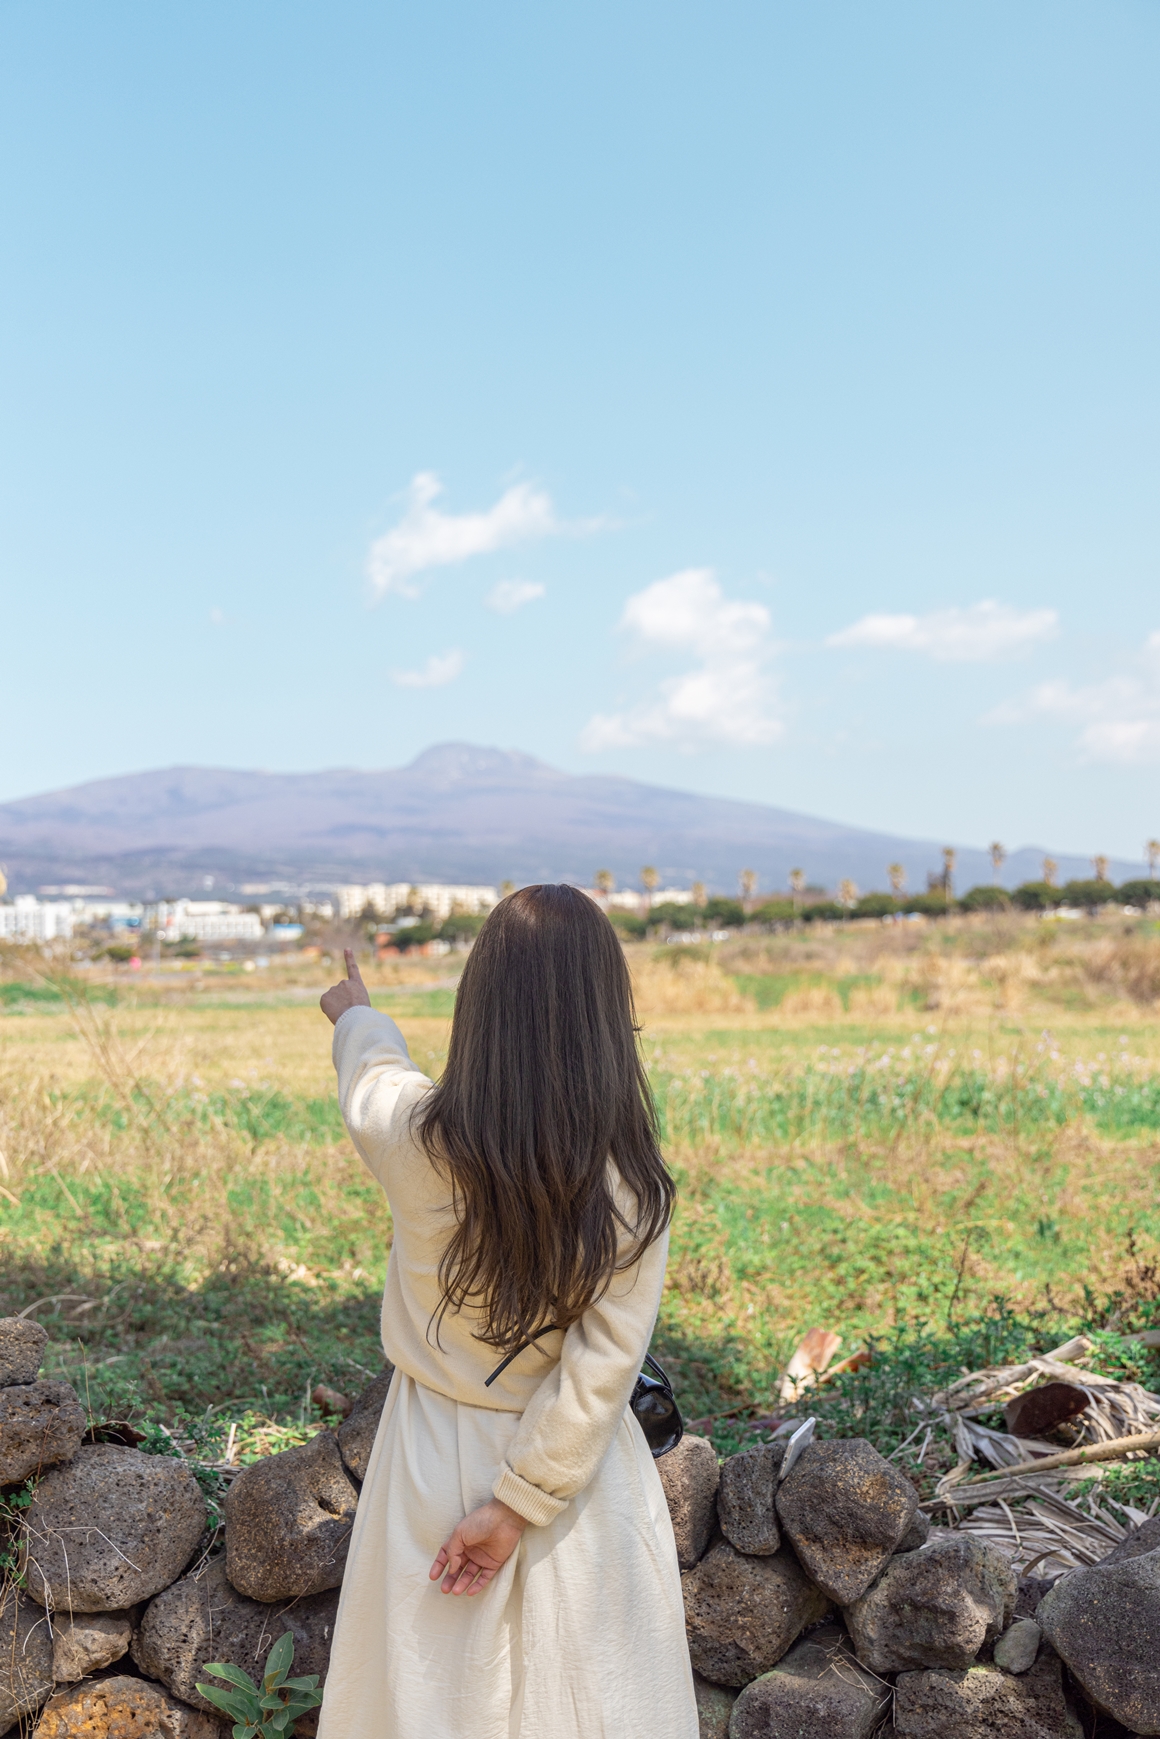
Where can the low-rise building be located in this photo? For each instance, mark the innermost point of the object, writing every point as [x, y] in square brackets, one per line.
[203, 921]
[27, 919]
[439, 898]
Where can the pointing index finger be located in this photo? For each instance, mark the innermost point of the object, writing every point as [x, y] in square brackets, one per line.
[352, 970]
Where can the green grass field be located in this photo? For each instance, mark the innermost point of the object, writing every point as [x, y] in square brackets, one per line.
[950, 1152]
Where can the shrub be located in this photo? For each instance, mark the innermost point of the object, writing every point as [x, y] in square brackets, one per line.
[985, 899]
[931, 905]
[1138, 893]
[1088, 893]
[875, 906]
[462, 926]
[1037, 896]
[823, 909]
[629, 925]
[674, 916]
[728, 913]
[412, 936]
[775, 912]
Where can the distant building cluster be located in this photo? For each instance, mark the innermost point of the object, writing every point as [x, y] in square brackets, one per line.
[28, 918]
[384, 899]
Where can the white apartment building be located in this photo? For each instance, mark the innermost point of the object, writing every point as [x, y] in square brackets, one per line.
[439, 898]
[628, 900]
[204, 921]
[27, 919]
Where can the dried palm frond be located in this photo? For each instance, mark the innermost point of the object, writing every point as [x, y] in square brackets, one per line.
[1047, 1532]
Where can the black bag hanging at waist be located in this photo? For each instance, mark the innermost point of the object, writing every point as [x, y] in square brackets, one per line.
[653, 1401]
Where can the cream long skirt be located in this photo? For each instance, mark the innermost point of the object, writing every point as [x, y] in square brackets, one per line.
[581, 1635]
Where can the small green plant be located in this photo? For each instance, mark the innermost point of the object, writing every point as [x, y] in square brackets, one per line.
[268, 1711]
[12, 1507]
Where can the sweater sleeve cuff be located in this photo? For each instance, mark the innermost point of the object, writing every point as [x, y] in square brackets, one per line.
[530, 1501]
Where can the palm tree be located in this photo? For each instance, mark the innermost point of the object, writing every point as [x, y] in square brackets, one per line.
[505, 888]
[748, 883]
[797, 882]
[700, 894]
[897, 875]
[998, 859]
[1152, 853]
[949, 859]
[648, 881]
[1050, 871]
[604, 881]
[847, 893]
[1100, 865]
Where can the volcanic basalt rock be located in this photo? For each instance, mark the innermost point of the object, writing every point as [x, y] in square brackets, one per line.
[689, 1474]
[202, 1618]
[22, 1345]
[1105, 1622]
[111, 1528]
[356, 1435]
[933, 1608]
[41, 1425]
[745, 1499]
[288, 1522]
[742, 1613]
[816, 1691]
[845, 1510]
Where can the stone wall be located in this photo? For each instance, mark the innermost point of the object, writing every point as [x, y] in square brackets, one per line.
[819, 1606]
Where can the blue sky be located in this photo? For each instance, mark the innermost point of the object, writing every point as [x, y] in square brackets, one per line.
[759, 398]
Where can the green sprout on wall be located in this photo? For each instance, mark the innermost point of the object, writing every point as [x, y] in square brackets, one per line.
[268, 1711]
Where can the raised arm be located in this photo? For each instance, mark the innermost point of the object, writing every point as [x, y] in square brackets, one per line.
[374, 1066]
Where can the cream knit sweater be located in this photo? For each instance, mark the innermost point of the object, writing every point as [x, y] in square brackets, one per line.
[572, 1388]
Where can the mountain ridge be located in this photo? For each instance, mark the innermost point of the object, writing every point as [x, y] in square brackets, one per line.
[457, 812]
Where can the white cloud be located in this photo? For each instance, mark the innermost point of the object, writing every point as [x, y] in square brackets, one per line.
[981, 632]
[440, 668]
[426, 538]
[511, 595]
[1119, 718]
[726, 698]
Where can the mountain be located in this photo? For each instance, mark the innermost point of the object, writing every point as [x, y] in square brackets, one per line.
[457, 813]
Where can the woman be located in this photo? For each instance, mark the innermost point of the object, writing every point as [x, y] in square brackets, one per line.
[512, 1571]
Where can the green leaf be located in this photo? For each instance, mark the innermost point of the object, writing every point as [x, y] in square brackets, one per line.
[235, 1703]
[279, 1722]
[279, 1658]
[235, 1675]
[310, 1684]
[273, 1701]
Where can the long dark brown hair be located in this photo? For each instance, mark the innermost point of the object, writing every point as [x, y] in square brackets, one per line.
[544, 1085]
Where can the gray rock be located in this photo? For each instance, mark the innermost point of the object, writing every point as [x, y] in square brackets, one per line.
[25, 1657]
[745, 1499]
[22, 1345]
[714, 1707]
[742, 1613]
[1018, 1646]
[121, 1708]
[1031, 1592]
[356, 1435]
[41, 1425]
[816, 1691]
[88, 1641]
[689, 1474]
[845, 1510]
[916, 1535]
[933, 1608]
[201, 1619]
[984, 1703]
[1105, 1621]
[288, 1522]
[1136, 1544]
[112, 1527]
